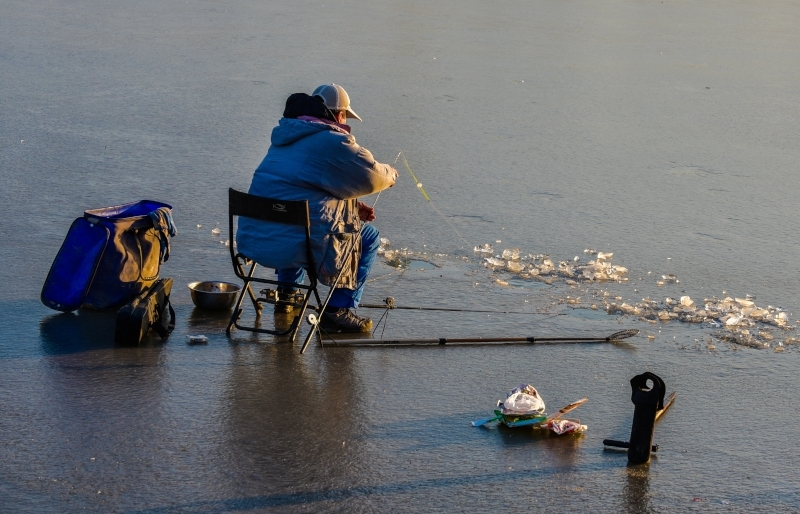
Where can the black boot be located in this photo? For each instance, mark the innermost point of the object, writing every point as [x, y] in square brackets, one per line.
[336, 319]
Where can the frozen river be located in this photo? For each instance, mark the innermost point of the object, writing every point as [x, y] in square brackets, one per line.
[664, 132]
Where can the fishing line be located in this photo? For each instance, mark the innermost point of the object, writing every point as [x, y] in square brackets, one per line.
[383, 276]
[390, 305]
[428, 198]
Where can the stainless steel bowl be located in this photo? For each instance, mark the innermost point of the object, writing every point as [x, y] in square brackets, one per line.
[214, 296]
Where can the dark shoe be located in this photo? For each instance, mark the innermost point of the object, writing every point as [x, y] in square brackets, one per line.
[343, 320]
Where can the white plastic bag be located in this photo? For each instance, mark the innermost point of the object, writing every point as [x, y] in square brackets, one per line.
[523, 400]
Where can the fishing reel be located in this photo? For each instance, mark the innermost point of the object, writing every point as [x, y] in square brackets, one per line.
[389, 301]
[312, 319]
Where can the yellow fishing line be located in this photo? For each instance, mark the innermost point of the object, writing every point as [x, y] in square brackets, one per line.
[419, 184]
[428, 198]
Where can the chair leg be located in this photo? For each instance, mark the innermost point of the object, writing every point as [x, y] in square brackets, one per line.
[232, 322]
[319, 318]
[256, 304]
[237, 311]
[301, 314]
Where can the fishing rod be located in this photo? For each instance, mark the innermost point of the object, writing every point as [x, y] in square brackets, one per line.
[616, 336]
[312, 318]
[390, 305]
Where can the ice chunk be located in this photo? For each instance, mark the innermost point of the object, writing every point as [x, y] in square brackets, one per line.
[733, 320]
[670, 278]
[385, 242]
[215, 231]
[744, 303]
[604, 256]
[511, 254]
[686, 301]
[494, 261]
[516, 267]
[501, 282]
[487, 248]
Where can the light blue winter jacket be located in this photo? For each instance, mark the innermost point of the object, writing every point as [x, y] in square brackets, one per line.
[315, 162]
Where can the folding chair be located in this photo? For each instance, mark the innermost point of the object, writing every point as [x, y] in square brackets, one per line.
[276, 211]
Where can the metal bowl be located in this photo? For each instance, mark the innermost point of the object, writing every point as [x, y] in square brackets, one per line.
[213, 295]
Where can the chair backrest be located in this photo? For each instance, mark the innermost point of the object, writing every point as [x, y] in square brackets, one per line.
[291, 212]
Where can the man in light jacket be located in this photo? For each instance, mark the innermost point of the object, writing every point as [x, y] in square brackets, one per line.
[313, 157]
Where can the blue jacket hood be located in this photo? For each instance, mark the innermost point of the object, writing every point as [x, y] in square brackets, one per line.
[290, 130]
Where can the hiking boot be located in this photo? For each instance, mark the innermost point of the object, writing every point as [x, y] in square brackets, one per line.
[343, 320]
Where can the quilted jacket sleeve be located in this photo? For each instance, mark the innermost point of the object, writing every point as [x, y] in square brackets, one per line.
[347, 170]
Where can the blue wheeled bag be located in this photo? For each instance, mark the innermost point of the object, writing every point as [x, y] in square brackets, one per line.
[108, 257]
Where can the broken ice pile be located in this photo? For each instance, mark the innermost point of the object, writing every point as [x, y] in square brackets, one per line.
[735, 315]
[541, 267]
[602, 269]
[385, 243]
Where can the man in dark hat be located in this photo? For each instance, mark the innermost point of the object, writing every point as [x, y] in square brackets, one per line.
[314, 157]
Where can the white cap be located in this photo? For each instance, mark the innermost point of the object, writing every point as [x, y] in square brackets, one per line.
[335, 98]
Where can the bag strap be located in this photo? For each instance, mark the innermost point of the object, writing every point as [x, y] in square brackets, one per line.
[159, 327]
